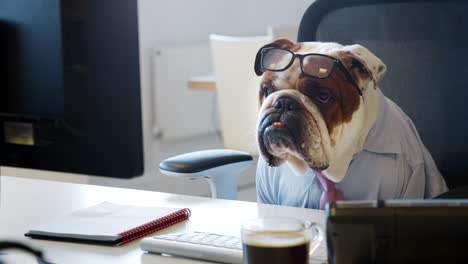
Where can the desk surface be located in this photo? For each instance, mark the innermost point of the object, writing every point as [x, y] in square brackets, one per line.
[26, 202]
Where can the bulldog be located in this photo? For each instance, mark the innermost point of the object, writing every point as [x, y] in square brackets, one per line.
[326, 132]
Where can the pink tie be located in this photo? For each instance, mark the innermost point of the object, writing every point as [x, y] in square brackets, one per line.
[330, 193]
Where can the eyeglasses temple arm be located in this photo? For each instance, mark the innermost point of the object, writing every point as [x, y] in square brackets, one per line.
[349, 77]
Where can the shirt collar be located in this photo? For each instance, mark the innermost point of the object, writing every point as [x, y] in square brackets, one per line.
[384, 136]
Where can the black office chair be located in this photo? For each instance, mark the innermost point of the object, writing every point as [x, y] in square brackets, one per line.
[425, 47]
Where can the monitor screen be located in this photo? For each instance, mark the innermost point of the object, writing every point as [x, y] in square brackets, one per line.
[70, 97]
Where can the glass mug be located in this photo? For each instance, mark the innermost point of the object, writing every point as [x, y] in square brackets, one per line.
[279, 240]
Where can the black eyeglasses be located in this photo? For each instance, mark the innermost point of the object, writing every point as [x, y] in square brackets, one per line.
[313, 65]
[7, 245]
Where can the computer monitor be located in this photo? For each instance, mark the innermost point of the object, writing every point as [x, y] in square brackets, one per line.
[70, 97]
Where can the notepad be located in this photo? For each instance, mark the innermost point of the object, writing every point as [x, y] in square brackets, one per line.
[109, 223]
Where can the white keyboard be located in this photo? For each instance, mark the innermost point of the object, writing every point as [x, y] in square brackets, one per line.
[199, 245]
[209, 246]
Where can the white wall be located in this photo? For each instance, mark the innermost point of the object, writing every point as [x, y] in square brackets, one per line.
[179, 21]
[188, 22]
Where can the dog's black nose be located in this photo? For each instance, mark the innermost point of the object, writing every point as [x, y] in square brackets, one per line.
[286, 104]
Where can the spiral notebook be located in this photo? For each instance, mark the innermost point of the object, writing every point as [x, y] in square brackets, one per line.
[109, 223]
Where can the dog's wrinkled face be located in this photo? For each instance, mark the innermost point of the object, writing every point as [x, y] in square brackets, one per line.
[308, 121]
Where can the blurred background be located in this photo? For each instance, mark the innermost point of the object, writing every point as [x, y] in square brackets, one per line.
[174, 39]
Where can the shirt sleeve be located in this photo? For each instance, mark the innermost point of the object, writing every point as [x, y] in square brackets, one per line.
[415, 183]
[435, 183]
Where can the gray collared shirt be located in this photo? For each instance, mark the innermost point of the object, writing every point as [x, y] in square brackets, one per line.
[394, 164]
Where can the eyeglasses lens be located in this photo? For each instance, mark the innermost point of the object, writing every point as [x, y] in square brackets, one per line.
[276, 59]
[318, 66]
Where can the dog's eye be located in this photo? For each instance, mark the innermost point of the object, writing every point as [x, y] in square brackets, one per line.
[265, 91]
[323, 96]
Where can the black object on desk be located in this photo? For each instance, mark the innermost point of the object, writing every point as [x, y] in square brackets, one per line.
[13, 245]
[398, 231]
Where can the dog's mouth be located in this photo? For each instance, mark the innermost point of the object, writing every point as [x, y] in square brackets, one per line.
[282, 134]
[278, 141]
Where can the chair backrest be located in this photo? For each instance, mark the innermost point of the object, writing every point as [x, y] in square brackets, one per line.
[425, 47]
[237, 88]
[279, 32]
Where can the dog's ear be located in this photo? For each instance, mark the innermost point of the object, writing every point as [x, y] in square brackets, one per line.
[362, 64]
[279, 43]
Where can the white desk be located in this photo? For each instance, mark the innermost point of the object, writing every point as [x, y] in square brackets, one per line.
[25, 203]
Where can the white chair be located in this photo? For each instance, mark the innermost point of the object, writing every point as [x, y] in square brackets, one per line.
[287, 32]
[237, 89]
